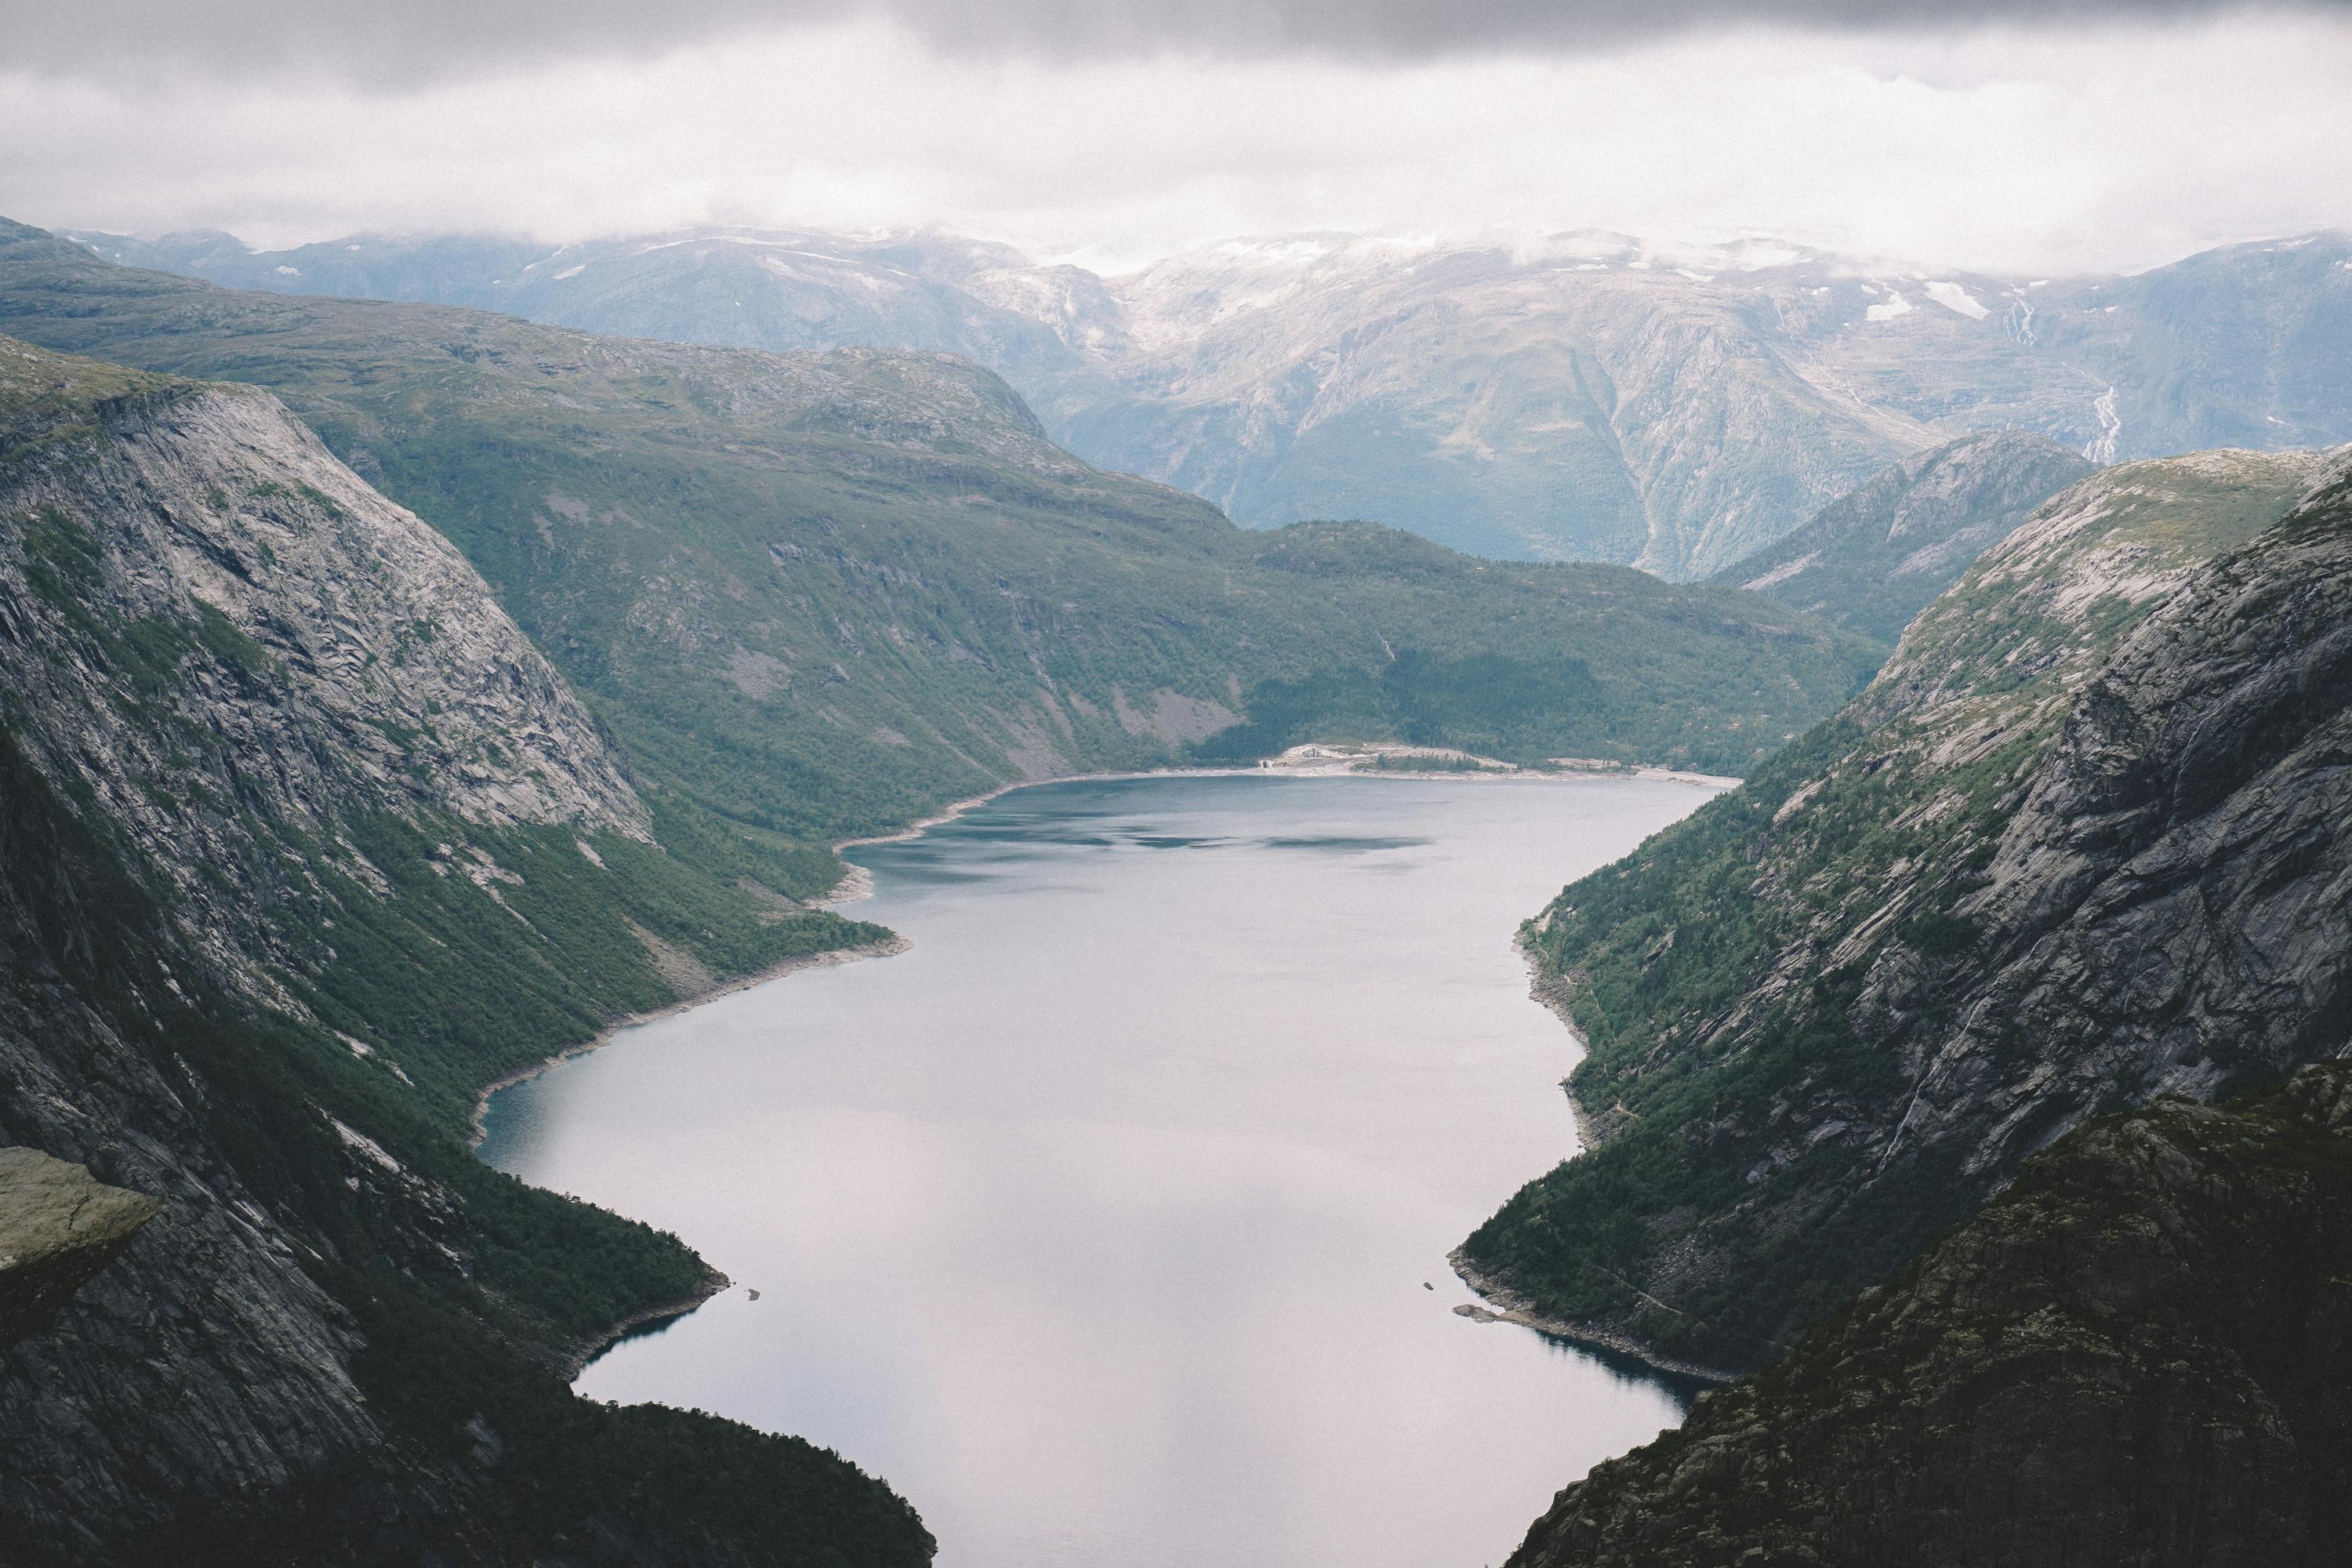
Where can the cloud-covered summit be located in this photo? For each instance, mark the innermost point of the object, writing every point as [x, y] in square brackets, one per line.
[2132, 134]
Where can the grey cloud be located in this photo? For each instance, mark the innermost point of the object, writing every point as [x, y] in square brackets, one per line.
[401, 42]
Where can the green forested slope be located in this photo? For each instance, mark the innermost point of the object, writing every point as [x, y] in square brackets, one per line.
[817, 594]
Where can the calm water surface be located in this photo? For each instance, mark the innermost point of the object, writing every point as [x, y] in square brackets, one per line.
[1098, 1222]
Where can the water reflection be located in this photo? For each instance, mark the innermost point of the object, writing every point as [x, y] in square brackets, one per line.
[1109, 1222]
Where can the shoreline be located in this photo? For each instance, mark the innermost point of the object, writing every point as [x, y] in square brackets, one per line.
[1510, 1307]
[576, 1361]
[1546, 992]
[890, 948]
[1506, 1305]
[858, 883]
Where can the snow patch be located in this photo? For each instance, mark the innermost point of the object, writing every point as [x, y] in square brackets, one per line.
[1952, 297]
[573, 271]
[1893, 305]
[289, 272]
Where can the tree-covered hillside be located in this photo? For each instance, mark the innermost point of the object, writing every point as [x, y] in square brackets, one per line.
[2137, 1354]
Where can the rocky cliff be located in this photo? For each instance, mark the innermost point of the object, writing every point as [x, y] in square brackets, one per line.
[304, 842]
[2140, 1353]
[1875, 557]
[2082, 843]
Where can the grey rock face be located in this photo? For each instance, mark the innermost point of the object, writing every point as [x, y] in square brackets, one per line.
[334, 654]
[205, 1369]
[2173, 896]
[1875, 557]
[294, 604]
[277, 650]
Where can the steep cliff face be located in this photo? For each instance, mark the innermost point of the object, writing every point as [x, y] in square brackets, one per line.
[266, 623]
[2083, 842]
[1875, 557]
[304, 842]
[2140, 1353]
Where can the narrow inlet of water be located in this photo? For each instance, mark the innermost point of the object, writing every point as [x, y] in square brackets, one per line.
[1109, 1224]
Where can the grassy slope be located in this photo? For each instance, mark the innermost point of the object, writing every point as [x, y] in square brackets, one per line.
[816, 596]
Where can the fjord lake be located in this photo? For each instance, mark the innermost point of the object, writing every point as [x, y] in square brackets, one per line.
[1108, 1222]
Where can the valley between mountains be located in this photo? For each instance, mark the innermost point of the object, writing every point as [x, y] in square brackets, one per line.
[395, 693]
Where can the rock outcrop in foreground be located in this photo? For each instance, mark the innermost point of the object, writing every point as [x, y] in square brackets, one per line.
[2140, 1353]
[59, 1226]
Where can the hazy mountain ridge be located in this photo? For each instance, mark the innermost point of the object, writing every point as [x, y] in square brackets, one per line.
[1835, 1008]
[1581, 397]
[1875, 556]
[304, 843]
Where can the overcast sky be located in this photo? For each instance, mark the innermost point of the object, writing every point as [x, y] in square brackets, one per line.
[2036, 137]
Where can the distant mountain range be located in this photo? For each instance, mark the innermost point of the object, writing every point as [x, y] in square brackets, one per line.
[1587, 397]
